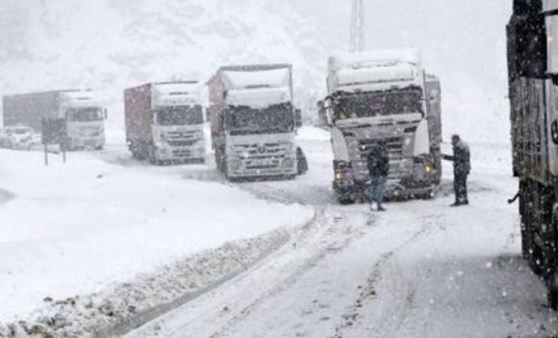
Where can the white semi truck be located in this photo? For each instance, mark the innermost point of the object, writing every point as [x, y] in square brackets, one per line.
[82, 113]
[253, 122]
[384, 96]
[165, 122]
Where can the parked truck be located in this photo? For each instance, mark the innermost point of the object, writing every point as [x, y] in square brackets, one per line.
[81, 111]
[533, 92]
[254, 123]
[384, 96]
[165, 122]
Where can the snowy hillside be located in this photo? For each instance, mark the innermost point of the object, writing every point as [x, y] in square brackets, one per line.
[111, 44]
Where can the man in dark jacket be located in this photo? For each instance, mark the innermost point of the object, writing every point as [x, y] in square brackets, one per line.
[378, 167]
[461, 168]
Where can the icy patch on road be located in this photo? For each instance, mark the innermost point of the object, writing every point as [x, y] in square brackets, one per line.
[117, 310]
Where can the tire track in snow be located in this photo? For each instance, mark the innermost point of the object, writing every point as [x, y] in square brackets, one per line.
[330, 233]
[353, 318]
[337, 236]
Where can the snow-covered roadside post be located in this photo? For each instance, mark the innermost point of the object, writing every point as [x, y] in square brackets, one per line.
[53, 131]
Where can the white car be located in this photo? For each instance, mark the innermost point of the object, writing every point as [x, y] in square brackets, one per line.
[16, 137]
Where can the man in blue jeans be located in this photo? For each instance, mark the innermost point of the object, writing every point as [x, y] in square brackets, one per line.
[378, 167]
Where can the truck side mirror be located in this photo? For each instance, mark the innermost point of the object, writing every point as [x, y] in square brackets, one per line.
[105, 113]
[328, 111]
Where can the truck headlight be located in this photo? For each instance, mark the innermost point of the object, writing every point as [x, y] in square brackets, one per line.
[339, 176]
[236, 165]
[429, 168]
[342, 176]
[288, 163]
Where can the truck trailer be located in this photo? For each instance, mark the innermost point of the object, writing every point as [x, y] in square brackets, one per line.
[82, 113]
[384, 96]
[254, 123]
[533, 93]
[165, 122]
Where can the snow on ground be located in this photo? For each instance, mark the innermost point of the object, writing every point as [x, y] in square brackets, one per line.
[77, 228]
[421, 269]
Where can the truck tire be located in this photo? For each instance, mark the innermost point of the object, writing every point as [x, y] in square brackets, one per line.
[301, 161]
[345, 200]
[152, 157]
[552, 291]
[552, 299]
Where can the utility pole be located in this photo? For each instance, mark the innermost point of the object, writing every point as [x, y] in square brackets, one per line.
[357, 27]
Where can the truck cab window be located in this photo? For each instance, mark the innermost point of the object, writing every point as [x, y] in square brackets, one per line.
[245, 120]
[179, 116]
[84, 114]
[374, 104]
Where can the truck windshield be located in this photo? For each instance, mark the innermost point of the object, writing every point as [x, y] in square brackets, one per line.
[384, 103]
[179, 116]
[85, 114]
[244, 120]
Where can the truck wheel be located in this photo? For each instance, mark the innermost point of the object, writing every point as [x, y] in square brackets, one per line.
[552, 292]
[302, 162]
[152, 157]
[345, 200]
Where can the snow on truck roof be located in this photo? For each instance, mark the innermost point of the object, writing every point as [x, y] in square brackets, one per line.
[170, 88]
[395, 74]
[373, 59]
[250, 79]
[176, 93]
[258, 97]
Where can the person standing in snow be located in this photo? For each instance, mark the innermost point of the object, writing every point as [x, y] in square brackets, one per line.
[461, 168]
[378, 167]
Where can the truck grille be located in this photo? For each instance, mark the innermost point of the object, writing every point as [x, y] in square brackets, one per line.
[182, 143]
[262, 151]
[181, 138]
[181, 153]
[396, 156]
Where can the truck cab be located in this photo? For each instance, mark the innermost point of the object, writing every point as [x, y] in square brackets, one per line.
[85, 118]
[383, 96]
[178, 123]
[165, 122]
[254, 121]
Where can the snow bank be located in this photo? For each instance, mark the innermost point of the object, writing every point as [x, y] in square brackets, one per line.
[80, 227]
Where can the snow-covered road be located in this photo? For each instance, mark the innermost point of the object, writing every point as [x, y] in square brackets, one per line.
[421, 270]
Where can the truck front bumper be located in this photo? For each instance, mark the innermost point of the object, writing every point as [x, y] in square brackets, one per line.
[355, 190]
[239, 169]
[180, 154]
[86, 143]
